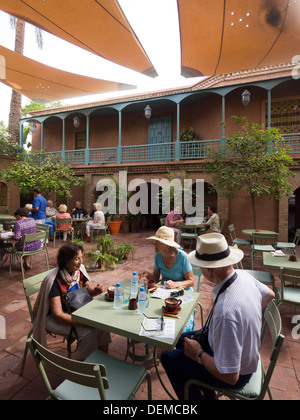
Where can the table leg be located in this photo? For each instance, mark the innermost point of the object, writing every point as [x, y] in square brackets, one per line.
[156, 362]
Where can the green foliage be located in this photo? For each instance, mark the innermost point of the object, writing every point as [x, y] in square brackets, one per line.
[35, 106]
[254, 160]
[7, 147]
[188, 135]
[48, 172]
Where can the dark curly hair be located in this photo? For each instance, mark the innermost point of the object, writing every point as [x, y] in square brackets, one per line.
[66, 253]
[21, 212]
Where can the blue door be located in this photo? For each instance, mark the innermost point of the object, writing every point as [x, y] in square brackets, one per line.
[160, 132]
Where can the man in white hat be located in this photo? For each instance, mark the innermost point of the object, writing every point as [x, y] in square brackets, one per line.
[232, 352]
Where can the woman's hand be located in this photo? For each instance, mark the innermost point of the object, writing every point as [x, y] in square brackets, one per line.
[170, 284]
[98, 290]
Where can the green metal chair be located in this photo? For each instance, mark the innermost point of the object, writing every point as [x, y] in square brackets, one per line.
[97, 229]
[258, 385]
[162, 221]
[290, 245]
[57, 230]
[28, 238]
[187, 232]
[289, 291]
[235, 240]
[32, 286]
[100, 376]
[256, 247]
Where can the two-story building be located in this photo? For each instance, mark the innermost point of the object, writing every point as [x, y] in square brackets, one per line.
[101, 139]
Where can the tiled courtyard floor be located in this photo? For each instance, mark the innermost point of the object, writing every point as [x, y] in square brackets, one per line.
[285, 382]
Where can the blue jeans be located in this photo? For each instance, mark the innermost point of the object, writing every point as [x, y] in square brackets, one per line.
[51, 225]
[181, 368]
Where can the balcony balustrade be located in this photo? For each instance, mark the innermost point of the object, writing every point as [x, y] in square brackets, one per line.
[163, 152]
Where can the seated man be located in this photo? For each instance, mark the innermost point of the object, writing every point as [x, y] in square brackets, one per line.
[78, 211]
[231, 353]
[172, 220]
[51, 212]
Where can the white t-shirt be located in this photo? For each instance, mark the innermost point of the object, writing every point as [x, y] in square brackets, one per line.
[234, 332]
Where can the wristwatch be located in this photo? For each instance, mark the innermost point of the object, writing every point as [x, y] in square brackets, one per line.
[200, 356]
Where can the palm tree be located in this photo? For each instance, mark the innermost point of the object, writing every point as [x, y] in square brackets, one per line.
[16, 97]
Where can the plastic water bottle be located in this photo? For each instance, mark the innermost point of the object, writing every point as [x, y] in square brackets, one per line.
[118, 296]
[134, 284]
[142, 301]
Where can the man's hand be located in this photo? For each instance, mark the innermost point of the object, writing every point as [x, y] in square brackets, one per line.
[192, 349]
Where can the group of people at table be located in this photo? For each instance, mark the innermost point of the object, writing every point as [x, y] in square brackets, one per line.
[43, 211]
[232, 355]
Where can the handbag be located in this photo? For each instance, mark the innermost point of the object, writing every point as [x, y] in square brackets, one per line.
[202, 335]
[76, 300]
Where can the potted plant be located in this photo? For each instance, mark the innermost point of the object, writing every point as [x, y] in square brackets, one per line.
[102, 261]
[124, 251]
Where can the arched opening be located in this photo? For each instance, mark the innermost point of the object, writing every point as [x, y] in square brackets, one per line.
[294, 213]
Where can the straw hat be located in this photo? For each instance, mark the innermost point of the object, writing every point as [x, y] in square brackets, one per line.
[212, 251]
[165, 235]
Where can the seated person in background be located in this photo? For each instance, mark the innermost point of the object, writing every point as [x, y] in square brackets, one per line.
[50, 213]
[64, 215]
[99, 220]
[170, 262]
[50, 308]
[214, 221]
[172, 220]
[28, 208]
[25, 225]
[78, 211]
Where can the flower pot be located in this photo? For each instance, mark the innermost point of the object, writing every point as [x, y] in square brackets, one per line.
[114, 227]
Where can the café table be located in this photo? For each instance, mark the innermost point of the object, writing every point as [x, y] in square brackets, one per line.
[5, 242]
[249, 232]
[79, 225]
[275, 263]
[7, 220]
[100, 313]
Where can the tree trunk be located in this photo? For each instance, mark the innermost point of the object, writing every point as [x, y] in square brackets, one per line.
[16, 97]
[253, 210]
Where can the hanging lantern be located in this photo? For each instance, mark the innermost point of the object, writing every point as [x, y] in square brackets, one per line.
[76, 121]
[246, 97]
[32, 127]
[148, 112]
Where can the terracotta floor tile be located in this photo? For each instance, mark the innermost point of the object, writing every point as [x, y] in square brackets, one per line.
[285, 381]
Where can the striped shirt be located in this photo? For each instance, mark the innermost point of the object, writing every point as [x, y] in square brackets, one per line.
[234, 332]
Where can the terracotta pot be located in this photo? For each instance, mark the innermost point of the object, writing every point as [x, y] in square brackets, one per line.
[114, 227]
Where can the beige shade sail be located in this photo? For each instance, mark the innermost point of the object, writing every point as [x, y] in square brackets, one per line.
[42, 83]
[99, 26]
[222, 36]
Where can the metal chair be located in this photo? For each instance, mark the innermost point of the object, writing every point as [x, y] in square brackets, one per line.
[235, 240]
[58, 223]
[187, 232]
[32, 286]
[28, 238]
[290, 245]
[258, 385]
[289, 291]
[255, 247]
[99, 229]
[99, 377]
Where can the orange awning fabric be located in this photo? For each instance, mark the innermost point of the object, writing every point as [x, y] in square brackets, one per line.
[42, 83]
[99, 26]
[223, 36]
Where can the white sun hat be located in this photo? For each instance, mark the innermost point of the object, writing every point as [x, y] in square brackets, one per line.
[165, 235]
[212, 251]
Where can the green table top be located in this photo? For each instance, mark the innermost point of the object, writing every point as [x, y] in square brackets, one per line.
[101, 314]
[275, 263]
[249, 232]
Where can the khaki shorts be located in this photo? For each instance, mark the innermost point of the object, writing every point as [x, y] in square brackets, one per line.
[89, 339]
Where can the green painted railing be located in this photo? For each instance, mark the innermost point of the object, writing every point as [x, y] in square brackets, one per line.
[164, 152]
